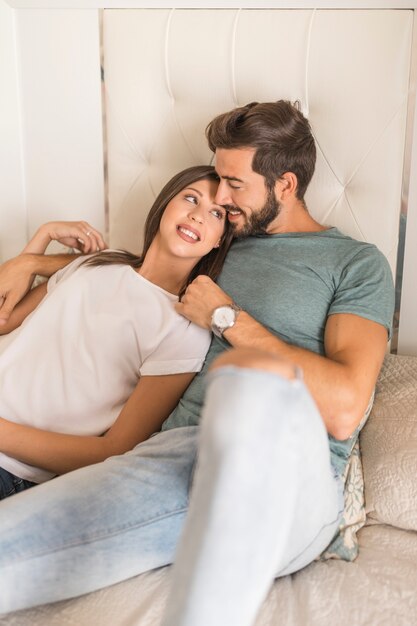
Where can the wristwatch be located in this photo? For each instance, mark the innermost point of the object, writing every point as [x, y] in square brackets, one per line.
[224, 317]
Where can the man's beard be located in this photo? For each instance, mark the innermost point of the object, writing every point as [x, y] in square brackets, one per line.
[257, 223]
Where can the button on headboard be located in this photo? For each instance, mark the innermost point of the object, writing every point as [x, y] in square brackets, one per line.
[169, 72]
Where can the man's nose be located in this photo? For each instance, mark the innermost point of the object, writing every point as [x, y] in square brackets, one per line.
[223, 194]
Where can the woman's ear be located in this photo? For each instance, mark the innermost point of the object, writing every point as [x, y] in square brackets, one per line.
[217, 245]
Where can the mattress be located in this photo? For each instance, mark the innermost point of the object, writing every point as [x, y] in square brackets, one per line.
[379, 588]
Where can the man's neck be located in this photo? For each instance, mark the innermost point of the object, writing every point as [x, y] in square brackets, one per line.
[294, 218]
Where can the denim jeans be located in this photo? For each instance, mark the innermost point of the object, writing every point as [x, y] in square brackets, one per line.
[11, 484]
[264, 502]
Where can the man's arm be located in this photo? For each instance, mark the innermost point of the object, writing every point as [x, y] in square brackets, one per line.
[17, 275]
[23, 308]
[341, 382]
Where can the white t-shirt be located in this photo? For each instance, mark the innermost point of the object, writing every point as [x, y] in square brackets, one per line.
[74, 362]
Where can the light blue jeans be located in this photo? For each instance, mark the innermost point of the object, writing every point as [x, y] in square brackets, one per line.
[264, 502]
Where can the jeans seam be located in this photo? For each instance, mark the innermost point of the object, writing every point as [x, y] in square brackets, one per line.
[102, 536]
[10, 492]
[338, 517]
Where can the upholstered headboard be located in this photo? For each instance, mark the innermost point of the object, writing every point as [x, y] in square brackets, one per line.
[168, 72]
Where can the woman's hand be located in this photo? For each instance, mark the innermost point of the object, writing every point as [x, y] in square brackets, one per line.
[80, 235]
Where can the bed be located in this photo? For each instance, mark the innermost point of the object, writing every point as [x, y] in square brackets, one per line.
[377, 589]
[166, 73]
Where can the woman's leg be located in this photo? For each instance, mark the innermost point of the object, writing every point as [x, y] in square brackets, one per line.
[11, 484]
[98, 525]
[265, 501]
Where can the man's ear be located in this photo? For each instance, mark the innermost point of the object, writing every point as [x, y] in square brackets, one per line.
[286, 185]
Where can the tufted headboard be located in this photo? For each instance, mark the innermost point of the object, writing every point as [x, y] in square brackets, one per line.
[167, 73]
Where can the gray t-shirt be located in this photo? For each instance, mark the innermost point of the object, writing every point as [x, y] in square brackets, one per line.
[291, 283]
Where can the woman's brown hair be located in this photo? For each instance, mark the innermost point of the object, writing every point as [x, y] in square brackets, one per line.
[210, 265]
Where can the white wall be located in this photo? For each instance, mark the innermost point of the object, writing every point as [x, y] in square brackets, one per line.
[407, 336]
[61, 115]
[12, 202]
[221, 4]
[51, 149]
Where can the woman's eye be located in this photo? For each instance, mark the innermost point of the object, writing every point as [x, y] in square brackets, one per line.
[217, 213]
[190, 198]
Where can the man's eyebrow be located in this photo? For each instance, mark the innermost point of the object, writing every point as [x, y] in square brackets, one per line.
[239, 180]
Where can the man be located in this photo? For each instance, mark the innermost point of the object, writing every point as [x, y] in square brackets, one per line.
[296, 299]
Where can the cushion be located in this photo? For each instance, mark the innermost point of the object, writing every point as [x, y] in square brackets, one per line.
[389, 446]
[345, 544]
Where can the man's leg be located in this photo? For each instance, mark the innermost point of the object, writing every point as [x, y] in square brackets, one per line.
[264, 500]
[96, 526]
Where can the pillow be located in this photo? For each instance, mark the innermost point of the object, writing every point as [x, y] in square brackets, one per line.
[389, 446]
[345, 543]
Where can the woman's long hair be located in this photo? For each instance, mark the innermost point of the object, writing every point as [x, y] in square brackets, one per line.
[210, 264]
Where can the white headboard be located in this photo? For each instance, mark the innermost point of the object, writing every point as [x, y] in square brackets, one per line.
[168, 72]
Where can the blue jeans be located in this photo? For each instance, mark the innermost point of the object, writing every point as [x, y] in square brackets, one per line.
[264, 502]
[11, 484]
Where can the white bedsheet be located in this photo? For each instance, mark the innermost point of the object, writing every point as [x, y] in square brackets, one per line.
[378, 589]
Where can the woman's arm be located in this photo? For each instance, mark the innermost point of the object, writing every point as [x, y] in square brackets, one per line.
[80, 235]
[143, 414]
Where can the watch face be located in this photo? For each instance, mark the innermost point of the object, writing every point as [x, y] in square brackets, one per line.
[224, 316]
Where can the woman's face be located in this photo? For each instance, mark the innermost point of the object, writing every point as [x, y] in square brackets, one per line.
[192, 223]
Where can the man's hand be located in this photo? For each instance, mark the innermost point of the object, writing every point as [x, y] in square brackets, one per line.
[200, 299]
[16, 277]
[79, 235]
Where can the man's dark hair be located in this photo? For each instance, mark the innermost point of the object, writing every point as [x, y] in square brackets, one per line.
[280, 134]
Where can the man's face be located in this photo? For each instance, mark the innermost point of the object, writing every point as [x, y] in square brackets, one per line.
[252, 209]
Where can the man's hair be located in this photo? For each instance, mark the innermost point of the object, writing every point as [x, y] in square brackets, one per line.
[280, 134]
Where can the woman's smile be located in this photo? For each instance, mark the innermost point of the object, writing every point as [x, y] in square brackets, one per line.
[193, 217]
[188, 234]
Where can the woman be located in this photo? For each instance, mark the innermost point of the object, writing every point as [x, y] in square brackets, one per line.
[103, 357]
